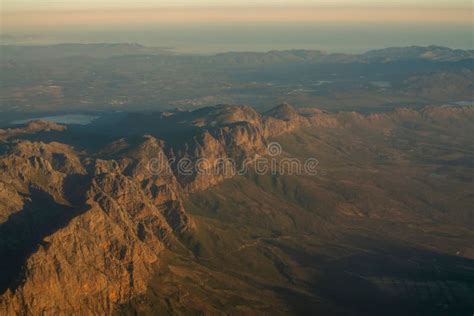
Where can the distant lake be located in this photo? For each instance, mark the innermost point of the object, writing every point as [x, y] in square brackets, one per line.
[79, 119]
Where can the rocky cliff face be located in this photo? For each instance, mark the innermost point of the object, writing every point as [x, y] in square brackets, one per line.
[83, 233]
[86, 231]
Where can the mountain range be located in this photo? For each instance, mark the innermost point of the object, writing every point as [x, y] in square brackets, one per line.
[102, 219]
[101, 50]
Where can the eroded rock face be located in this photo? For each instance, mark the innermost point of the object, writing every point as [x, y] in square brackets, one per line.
[218, 155]
[99, 253]
[97, 261]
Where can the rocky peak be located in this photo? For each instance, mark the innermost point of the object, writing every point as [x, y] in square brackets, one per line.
[223, 114]
[284, 111]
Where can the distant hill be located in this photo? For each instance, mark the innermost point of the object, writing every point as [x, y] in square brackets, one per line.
[436, 53]
[104, 50]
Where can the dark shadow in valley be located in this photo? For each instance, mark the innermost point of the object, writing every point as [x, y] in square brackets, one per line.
[24, 232]
[398, 280]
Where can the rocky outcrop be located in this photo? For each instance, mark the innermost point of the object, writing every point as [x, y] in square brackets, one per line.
[217, 155]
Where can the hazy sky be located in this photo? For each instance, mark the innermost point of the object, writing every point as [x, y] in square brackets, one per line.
[50, 13]
[13, 5]
[222, 25]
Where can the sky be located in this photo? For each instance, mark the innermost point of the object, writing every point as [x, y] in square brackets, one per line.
[445, 22]
[53, 13]
[15, 5]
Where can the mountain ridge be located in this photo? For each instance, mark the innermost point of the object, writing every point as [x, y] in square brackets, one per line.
[104, 50]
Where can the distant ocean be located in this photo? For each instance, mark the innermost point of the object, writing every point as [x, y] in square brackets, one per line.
[213, 38]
